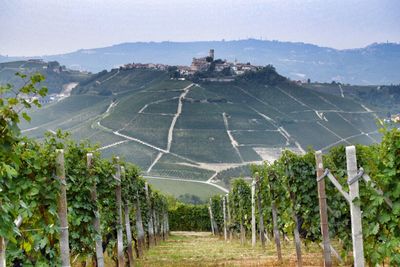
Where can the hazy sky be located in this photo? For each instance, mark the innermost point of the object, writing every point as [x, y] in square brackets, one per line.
[38, 27]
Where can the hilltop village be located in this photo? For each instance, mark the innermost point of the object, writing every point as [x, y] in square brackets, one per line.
[204, 68]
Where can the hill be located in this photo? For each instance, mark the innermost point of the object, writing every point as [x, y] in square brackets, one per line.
[383, 97]
[58, 78]
[375, 64]
[185, 133]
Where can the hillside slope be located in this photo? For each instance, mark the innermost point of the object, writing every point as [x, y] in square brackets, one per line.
[58, 78]
[179, 131]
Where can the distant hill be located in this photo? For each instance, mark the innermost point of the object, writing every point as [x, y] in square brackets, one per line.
[375, 64]
[58, 78]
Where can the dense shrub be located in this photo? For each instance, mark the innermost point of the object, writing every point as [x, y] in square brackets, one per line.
[188, 217]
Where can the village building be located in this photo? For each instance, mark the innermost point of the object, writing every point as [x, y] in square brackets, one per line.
[202, 63]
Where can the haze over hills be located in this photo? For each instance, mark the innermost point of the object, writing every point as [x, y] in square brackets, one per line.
[375, 64]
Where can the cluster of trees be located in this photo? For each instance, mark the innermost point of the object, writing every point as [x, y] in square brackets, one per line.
[387, 96]
[59, 199]
[266, 75]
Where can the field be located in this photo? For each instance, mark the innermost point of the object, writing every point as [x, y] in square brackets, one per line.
[177, 188]
[203, 249]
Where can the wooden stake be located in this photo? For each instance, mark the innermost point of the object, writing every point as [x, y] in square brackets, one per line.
[62, 209]
[150, 224]
[229, 216]
[211, 220]
[297, 240]
[96, 219]
[128, 235]
[242, 232]
[167, 224]
[155, 220]
[214, 222]
[2, 252]
[260, 214]
[355, 211]
[162, 226]
[139, 226]
[323, 212]
[128, 225]
[224, 215]
[276, 231]
[120, 241]
[253, 214]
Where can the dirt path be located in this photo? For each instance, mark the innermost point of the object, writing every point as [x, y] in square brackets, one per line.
[234, 143]
[341, 90]
[177, 114]
[203, 249]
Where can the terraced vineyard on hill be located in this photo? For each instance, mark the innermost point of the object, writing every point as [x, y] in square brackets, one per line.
[186, 131]
[57, 77]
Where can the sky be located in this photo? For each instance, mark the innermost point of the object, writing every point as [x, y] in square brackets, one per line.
[45, 27]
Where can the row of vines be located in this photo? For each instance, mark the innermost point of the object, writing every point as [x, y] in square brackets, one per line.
[61, 203]
[286, 202]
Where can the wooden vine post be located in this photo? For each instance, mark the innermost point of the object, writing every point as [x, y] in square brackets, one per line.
[259, 206]
[211, 220]
[2, 251]
[225, 220]
[297, 239]
[96, 219]
[355, 211]
[139, 226]
[229, 218]
[276, 230]
[162, 226]
[167, 224]
[118, 197]
[253, 214]
[323, 210]
[150, 224]
[128, 226]
[63, 209]
[155, 224]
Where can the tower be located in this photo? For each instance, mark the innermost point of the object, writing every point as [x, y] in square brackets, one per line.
[211, 54]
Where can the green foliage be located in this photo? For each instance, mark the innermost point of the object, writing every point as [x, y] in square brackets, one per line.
[30, 189]
[299, 179]
[190, 199]
[266, 75]
[240, 201]
[217, 211]
[189, 217]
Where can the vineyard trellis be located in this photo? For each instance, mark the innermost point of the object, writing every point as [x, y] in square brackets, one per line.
[61, 202]
[293, 200]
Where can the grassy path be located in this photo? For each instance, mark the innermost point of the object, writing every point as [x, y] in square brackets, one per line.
[202, 249]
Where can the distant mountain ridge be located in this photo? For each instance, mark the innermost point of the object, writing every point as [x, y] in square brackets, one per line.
[373, 64]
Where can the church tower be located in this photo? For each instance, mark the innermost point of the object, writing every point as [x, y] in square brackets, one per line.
[211, 54]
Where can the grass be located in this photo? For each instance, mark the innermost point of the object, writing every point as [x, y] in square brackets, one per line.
[171, 169]
[177, 188]
[203, 249]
